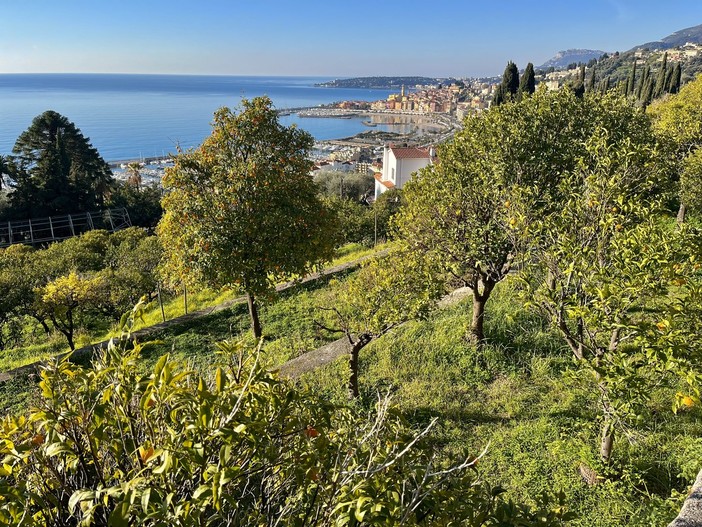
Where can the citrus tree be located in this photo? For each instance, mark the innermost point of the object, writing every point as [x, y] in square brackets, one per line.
[110, 445]
[385, 293]
[467, 211]
[617, 282]
[242, 209]
[678, 120]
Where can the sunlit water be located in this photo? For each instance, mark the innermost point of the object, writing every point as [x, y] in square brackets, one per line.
[133, 116]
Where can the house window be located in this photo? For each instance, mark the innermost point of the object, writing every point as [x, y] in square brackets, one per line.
[392, 174]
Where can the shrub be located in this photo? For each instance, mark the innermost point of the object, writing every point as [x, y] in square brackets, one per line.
[109, 446]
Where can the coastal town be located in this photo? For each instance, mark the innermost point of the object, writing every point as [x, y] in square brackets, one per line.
[417, 118]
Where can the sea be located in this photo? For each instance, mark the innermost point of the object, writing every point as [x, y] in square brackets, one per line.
[128, 117]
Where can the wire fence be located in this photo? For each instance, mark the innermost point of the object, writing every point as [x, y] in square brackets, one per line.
[54, 228]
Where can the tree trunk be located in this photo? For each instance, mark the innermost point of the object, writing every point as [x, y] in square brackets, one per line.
[607, 441]
[681, 213]
[43, 323]
[477, 333]
[253, 313]
[356, 348]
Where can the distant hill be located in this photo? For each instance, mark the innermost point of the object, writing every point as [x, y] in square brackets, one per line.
[383, 83]
[563, 58]
[679, 38]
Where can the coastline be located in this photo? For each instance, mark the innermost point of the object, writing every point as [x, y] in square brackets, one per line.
[438, 128]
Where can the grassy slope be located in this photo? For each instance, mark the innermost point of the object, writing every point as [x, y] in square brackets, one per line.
[540, 426]
[513, 396]
[174, 307]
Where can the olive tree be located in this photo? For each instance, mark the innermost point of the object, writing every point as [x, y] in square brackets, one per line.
[242, 209]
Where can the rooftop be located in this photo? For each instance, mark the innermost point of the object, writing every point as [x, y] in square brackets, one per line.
[410, 153]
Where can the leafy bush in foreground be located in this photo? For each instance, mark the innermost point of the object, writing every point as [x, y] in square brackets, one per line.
[108, 446]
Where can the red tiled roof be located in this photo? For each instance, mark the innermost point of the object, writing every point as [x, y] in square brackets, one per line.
[379, 178]
[410, 153]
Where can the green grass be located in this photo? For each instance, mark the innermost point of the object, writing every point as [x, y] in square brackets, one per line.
[512, 397]
[42, 348]
[538, 427]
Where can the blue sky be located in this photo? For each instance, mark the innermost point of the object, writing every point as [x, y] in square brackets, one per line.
[321, 37]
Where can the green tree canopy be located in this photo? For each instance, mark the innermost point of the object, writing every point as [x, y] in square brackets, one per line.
[510, 78]
[678, 119]
[242, 209]
[469, 210]
[608, 273]
[55, 170]
[527, 84]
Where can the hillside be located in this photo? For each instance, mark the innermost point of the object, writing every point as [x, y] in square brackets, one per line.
[563, 58]
[679, 38]
[383, 83]
[684, 46]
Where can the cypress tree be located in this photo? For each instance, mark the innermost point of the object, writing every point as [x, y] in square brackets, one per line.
[528, 82]
[605, 85]
[675, 81]
[669, 78]
[579, 85]
[499, 96]
[642, 82]
[591, 82]
[510, 79]
[648, 91]
[660, 81]
[631, 83]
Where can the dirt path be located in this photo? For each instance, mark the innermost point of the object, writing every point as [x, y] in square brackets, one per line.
[332, 351]
[145, 332]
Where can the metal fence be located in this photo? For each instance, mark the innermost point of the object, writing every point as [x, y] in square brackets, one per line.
[54, 228]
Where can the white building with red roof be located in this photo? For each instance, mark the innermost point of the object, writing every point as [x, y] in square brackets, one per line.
[399, 163]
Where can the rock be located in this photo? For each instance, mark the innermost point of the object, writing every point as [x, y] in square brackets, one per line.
[691, 512]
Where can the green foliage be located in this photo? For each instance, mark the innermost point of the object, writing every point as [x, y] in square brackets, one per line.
[55, 170]
[468, 212]
[678, 120]
[354, 186]
[108, 446]
[606, 266]
[355, 220]
[527, 84]
[143, 203]
[242, 209]
[510, 79]
[96, 274]
[386, 292]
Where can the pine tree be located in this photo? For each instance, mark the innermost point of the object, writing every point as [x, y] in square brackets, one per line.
[528, 81]
[55, 170]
